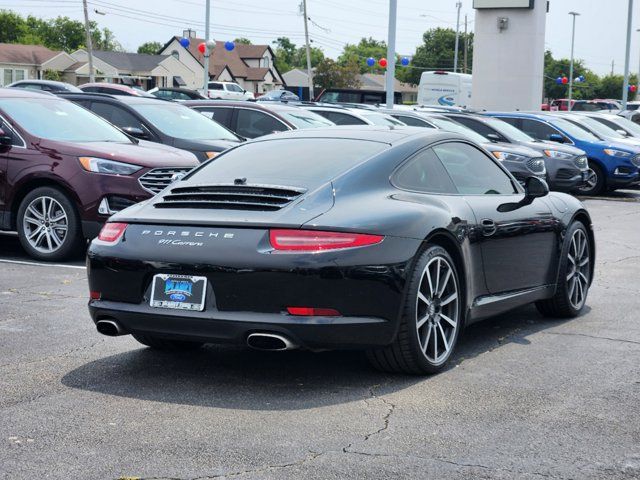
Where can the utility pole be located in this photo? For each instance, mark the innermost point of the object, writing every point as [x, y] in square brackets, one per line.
[206, 47]
[455, 56]
[308, 48]
[391, 53]
[573, 39]
[92, 75]
[466, 43]
[638, 90]
[625, 86]
[612, 63]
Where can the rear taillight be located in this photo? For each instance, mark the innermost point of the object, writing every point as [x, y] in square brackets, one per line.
[316, 241]
[313, 312]
[93, 295]
[112, 231]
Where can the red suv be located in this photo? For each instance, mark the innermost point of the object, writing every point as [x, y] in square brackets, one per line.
[65, 170]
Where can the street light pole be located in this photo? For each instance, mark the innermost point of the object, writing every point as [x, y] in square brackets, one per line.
[573, 39]
[455, 55]
[625, 86]
[206, 48]
[87, 29]
[391, 53]
[308, 49]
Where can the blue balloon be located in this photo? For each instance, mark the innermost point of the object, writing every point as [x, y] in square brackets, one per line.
[185, 42]
[581, 78]
[559, 80]
[371, 61]
[405, 61]
[229, 46]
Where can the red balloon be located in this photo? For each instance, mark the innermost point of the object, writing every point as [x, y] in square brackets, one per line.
[202, 47]
[383, 62]
[633, 88]
[565, 80]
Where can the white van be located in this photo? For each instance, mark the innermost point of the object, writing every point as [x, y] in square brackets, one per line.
[445, 88]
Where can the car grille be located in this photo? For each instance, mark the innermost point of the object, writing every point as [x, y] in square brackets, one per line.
[156, 180]
[635, 160]
[536, 165]
[231, 197]
[581, 162]
[566, 174]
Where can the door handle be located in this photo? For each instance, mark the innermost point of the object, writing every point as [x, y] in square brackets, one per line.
[488, 227]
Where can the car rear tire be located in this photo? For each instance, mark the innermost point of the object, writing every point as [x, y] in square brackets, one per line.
[48, 225]
[164, 344]
[595, 183]
[574, 276]
[431, 319]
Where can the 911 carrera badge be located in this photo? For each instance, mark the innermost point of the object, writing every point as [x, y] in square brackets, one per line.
[169, 237]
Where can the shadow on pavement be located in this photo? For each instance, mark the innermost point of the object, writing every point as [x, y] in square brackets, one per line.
[235, 377]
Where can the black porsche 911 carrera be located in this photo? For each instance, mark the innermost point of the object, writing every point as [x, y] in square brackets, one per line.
[385, 239]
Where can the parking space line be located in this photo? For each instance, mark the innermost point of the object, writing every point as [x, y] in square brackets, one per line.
[19, 262]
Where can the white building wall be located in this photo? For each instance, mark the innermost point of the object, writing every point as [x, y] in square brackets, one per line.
[508, 66]
[191, 63]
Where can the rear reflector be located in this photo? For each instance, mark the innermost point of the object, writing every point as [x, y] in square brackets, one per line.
[94, 295]
[316, 241]
[313, 312]
[111, 232]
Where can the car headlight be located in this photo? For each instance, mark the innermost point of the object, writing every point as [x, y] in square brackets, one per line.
[210, 155]
[558, 154]
[616, 153]
[110, 167]
[537, 166]
[508, 156]
[635, 160]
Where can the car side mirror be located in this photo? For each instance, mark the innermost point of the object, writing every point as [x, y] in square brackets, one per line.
[5, 141]
[534, 187]
[494, 137]
[556, 137]
[624, 133]
[136, 132]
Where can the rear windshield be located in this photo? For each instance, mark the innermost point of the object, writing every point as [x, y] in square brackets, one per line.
[306, 162]
[306, 119]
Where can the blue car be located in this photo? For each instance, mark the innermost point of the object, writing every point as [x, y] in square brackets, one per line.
[612, 164]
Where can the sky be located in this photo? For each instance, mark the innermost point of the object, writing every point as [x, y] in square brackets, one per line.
[600, 29]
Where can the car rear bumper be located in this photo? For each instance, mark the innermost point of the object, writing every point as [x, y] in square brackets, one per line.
[234, 327]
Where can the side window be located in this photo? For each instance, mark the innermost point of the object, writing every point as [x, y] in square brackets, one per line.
[472, 171]
[424, 173]
[538, 130]
[220, 115]
[412, 121]
[215, 86]
[342, 118]
[252, 124]
[116, 115]
[232, 87]
[478, 127]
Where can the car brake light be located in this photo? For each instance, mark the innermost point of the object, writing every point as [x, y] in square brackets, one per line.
[112, 231]
[93, 295]
[316, 241]
[313, 312]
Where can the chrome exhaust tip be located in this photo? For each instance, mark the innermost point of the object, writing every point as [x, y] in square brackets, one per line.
[270, 342]
[109, 328]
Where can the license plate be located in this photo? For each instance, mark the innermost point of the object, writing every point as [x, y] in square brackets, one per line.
[180, 292]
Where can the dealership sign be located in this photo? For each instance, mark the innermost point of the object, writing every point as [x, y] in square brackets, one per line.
[502, 3]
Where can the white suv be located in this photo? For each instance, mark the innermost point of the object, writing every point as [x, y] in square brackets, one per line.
[228, 91]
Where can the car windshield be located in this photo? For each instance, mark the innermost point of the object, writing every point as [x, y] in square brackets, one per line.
[65, 121]
[306, 119]
[451, 126]
[181, 122]
[598, 128]
[572, 129]
[384, 120]
[508, 130]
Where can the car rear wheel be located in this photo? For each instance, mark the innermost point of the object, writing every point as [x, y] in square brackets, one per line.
[48, 225]
[595, 181]
[431, 320]
[164, 344]
[574, 277]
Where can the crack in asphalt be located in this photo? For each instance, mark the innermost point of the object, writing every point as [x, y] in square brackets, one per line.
[621, 340]
[620, 260]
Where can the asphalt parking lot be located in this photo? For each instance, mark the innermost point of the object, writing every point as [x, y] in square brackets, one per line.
[524, 397]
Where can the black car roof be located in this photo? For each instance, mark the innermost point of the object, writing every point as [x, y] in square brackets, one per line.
[126, 99]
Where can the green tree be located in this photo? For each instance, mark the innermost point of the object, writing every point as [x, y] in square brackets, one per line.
[150, 48]
[52, 75]
[243, 41]
[437, 52]
[12, 27]
[329, 74]
[105, 41]
[358, 54]
[285, 52]
[611, 87]
[300, 58]
[62, 33]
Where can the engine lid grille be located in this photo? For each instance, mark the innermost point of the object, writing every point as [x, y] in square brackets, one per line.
[158, 179]
[231, 197]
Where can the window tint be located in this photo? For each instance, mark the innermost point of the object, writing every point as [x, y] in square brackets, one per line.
[252, 124]
[305, 118]
[219, 114]
[232, 87]
[215, 86]
[116, 115]
[472, 171]
[538, 130]
[477, 126]
[412, 121]
[425, 173]
[341, 118]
